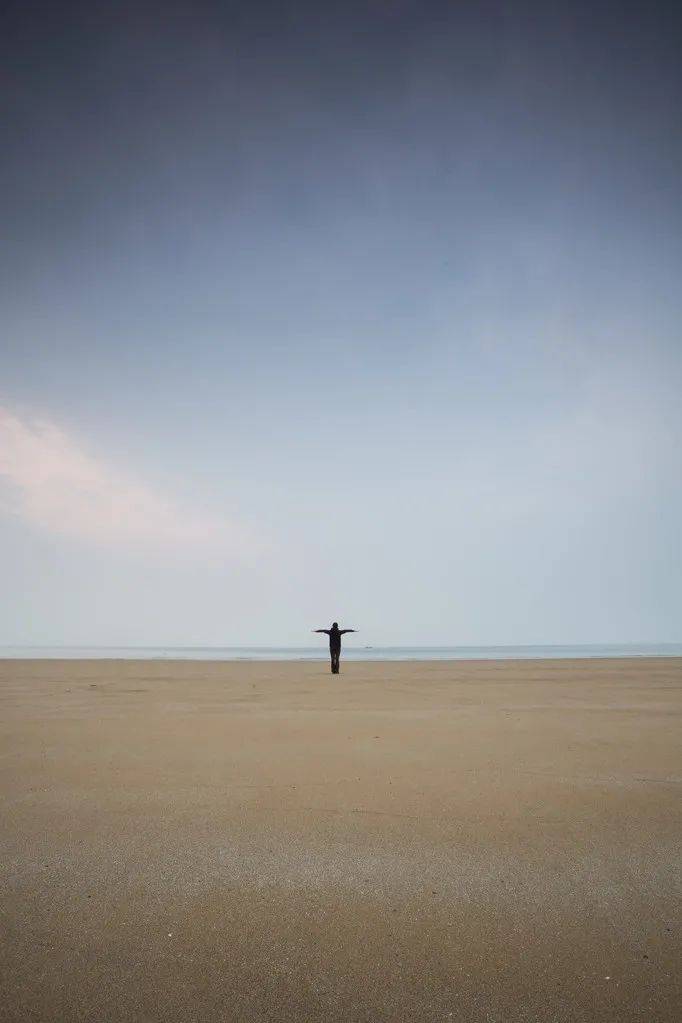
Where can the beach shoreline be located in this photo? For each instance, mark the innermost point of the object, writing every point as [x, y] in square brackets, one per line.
[374, 654]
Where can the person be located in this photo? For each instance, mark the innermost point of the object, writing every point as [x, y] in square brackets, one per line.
[335, 634]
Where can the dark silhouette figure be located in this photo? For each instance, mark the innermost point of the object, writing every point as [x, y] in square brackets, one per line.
[335, 634]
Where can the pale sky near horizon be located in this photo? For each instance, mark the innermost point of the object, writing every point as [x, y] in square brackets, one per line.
[369, 315]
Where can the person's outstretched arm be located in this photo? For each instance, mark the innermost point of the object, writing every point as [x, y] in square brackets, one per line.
[326, 631]
[342, 631]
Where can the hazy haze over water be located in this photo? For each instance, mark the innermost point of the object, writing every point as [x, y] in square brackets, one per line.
[476, 653]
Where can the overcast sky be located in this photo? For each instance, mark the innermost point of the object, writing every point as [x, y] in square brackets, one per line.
[364, 311]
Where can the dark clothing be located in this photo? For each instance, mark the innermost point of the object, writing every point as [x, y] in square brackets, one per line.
[335, 634]
[335, 639]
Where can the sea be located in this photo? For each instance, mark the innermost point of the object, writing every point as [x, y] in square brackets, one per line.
[351, 653]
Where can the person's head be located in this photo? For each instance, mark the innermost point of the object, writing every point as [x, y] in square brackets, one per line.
[335, 625]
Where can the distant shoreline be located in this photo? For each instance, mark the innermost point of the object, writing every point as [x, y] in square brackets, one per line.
[350, 654]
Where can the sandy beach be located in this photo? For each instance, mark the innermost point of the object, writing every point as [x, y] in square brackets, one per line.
[478, 841]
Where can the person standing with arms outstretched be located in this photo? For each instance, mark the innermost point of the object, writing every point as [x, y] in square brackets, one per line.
[335, 634]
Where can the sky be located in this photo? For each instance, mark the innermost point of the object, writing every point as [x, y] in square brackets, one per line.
[365, 312]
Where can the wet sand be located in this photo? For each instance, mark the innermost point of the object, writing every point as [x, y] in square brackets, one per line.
[476, 841]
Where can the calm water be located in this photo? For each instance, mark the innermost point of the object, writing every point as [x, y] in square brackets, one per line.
[351, 653]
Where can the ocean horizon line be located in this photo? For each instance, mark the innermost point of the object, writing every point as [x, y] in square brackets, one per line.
[357, 653]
